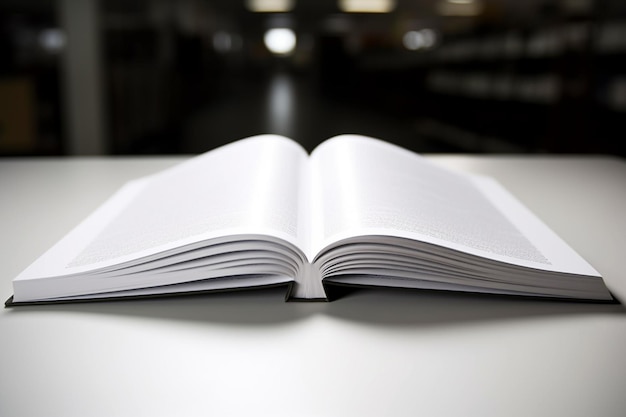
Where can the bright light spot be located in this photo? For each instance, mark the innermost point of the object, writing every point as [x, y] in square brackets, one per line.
[461, 1]
[269, 6]
[422, 39]
[280, 41]
[367, 6]
[52, 40]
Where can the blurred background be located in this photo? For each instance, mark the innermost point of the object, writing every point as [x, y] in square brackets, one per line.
[162, 76]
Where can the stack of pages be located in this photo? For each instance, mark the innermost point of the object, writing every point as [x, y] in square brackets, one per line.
[262, 212]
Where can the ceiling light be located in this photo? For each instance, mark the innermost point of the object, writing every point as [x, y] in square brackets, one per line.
[367, 6]
[270, 6]
[280, 41]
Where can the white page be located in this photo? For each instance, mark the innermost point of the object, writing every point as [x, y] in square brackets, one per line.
[363, 186]
[248, 187]
[239, 281]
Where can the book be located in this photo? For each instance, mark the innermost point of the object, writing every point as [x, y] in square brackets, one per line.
[261, 212]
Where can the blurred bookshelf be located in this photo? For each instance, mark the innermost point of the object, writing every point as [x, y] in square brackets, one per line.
[518, 77]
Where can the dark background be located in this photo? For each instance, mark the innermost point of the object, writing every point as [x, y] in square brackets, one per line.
[533, 76]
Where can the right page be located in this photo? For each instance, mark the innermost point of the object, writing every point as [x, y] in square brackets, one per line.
[366, 187]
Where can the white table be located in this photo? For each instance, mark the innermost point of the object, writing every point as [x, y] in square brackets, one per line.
[378, 353]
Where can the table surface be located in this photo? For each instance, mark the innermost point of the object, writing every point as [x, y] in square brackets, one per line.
[372, 353]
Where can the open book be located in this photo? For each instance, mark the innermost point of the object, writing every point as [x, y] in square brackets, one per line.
[262, 212]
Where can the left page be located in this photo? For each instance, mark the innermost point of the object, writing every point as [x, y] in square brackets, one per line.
[250, 187]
